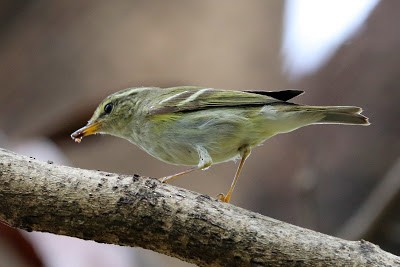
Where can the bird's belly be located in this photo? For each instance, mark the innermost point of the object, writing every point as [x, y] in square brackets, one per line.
[176, 139]
[187, 154]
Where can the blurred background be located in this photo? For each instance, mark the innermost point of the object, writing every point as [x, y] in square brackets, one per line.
[59, 59]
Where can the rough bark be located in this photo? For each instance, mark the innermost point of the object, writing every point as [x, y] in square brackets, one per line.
[140, 211]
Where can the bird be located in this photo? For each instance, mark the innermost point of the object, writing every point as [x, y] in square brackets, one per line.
[200, 126]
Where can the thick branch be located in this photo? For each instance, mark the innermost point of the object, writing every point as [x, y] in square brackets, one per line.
[139, 211]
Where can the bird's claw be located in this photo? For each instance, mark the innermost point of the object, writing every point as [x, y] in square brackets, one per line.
[223, 198]
[164, 179]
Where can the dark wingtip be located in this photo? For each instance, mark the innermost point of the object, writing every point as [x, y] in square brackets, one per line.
[283, 95]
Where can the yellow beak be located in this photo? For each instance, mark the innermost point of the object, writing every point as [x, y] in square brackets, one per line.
[89, 129]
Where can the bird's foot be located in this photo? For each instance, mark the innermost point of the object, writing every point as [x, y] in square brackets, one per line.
[223, 198]
[166, 178]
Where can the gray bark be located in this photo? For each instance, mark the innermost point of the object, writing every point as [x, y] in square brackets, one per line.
[139, 211]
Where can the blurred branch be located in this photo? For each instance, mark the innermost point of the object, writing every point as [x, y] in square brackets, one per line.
[139, 211]
[368, 217]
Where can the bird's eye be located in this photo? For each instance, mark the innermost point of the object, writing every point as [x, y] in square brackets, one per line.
[108, 108]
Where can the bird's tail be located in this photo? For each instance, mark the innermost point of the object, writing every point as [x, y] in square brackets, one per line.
[286, 118]
[338, 115]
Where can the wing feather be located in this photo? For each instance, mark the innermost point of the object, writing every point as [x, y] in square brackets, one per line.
[189, 99]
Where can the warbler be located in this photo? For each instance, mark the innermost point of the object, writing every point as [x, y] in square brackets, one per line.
[199, 126]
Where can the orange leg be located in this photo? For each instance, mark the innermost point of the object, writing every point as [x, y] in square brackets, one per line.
[245, 154]
[170, 177]
[205, 162]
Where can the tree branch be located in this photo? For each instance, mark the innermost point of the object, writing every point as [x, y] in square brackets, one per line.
[139, 211]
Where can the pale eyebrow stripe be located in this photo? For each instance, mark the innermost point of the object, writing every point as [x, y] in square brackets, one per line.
[194, 96]
[172, 97]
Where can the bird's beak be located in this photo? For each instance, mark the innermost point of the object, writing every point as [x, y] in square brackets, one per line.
[89, 129]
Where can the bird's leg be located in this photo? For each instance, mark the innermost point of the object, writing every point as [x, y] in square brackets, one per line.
[204, 163]
[244, 153]
[170, 177]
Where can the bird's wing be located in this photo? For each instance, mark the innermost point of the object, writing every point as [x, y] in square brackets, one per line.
[188, 99]
[284, 95]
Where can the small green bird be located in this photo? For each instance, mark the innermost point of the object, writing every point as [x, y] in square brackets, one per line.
[198, 126]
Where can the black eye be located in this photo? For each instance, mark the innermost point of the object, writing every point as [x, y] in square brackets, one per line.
[108, 108]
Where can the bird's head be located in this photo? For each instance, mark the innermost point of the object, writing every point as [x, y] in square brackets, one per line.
[112, 116]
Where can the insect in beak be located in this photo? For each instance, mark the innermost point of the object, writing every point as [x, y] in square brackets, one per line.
[89, 129]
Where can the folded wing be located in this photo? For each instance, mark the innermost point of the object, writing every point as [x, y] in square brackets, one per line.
[189, 99]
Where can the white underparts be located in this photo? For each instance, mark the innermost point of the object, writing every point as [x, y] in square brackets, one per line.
[205, 160]
[270, 112]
